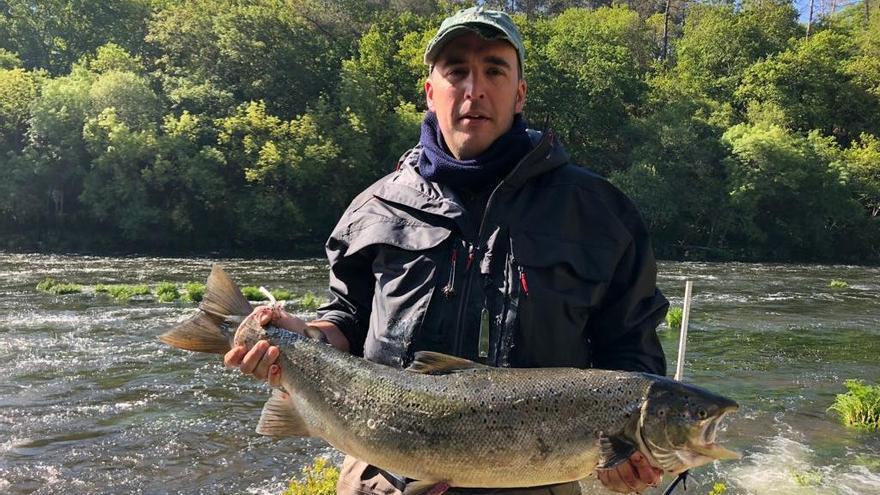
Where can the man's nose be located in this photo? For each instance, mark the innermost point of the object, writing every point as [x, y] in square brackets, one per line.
[474, 86]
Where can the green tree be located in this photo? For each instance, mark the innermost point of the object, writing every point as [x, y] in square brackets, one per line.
[53, 34]
[808, 88]
[719, 43]
[264, 50]
[790, 200]
[586, 73]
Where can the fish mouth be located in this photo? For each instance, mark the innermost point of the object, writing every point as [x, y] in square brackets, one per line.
[707, 446]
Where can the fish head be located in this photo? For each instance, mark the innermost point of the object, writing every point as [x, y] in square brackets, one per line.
[249, 333]
[679, 423]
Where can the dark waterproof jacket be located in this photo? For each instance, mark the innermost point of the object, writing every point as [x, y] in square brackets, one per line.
[560, 260]
[557, 271]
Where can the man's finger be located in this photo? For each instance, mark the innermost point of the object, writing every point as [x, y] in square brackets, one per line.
[252, 358]
[233, 358]
[628, 476]
[274, 376]
[268, 359]
[646, 473]
[611, 479]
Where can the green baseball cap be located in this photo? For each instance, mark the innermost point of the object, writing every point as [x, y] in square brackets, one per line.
[490, 24]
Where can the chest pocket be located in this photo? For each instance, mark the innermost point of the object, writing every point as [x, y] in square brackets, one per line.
[560, 284]
[405, 255]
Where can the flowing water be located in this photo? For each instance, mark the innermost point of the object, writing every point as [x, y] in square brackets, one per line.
[91, 402]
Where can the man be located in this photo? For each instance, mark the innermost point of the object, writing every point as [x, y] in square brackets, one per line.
[486, 244]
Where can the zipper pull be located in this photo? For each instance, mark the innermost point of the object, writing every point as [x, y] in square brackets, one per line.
[449, 289]
[470, 258]
[523, 282]
[483, 350]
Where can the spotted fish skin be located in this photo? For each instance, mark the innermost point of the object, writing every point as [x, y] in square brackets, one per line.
[446, 419]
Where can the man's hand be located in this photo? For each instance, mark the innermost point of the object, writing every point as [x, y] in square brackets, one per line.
[635, 475]
[261, 359]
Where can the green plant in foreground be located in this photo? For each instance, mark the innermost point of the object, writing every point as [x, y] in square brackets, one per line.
[718, 489]
[194, 291]
[673, 317]
[167, 292]
[859, 406]
[318, 479]
[310, 302]
[838, 284]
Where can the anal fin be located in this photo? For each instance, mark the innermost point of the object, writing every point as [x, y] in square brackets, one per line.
[280, 418]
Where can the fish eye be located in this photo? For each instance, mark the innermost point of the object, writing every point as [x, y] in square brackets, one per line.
[702, 414]
[661, 412]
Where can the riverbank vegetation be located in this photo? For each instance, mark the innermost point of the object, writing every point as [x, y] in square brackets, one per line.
[204, 126]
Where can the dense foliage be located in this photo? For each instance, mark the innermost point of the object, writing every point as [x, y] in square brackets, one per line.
[203, 125]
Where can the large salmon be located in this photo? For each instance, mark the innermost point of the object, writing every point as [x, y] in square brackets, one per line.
[454, 421]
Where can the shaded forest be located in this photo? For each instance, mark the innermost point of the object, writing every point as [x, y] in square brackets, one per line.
[197, 126]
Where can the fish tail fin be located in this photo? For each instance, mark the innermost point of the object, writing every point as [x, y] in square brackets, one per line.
[222, 304]
[281, 419]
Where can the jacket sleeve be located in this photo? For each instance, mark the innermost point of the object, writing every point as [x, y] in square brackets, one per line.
[623, 330]
[351, 288]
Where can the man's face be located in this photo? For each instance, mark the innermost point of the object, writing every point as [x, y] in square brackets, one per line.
[475, 90]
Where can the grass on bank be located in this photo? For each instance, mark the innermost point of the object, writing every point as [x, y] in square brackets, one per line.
[838, 284]
[859, 407]
[318, 479]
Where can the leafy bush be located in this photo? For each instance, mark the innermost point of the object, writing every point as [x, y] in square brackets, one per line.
[838, 284]
[860, 406]
[673, 318]
[319, 479]
[167, 292]
[310, 302]
[194, 292]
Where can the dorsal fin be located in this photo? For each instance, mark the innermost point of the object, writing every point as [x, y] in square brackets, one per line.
[436, 363]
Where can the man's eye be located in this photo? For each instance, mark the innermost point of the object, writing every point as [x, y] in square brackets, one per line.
[495, 71]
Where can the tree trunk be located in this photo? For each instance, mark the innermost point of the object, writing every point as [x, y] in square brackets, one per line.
[810, 20]
[665, 30]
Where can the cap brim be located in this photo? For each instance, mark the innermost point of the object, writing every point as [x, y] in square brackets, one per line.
[485, 31]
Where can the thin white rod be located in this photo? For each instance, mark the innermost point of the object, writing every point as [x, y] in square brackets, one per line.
[682, 339]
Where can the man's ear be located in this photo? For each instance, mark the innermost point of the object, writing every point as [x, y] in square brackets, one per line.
[429, 94]
[521, 90]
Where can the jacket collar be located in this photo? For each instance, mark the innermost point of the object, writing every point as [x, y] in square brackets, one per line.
[408, 188]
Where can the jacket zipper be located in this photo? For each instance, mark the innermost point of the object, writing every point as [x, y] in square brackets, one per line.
[475, 251]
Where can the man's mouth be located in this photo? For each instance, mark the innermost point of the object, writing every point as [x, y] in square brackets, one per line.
[473, 117]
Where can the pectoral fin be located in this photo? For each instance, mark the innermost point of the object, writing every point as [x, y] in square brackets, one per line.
[280, 418]
[613, 451]
[436, 363]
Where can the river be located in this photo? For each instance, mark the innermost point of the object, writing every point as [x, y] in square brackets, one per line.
[91, 402]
